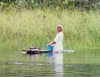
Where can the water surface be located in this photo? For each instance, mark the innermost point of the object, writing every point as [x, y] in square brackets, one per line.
[82, 63]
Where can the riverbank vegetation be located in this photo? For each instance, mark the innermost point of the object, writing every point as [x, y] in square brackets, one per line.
[21, 28]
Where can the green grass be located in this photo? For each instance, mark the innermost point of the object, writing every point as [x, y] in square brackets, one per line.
[20, 30]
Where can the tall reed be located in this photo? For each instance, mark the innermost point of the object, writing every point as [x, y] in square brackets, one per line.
[20, 30]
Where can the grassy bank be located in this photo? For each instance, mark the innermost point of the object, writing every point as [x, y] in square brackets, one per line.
[20, 30]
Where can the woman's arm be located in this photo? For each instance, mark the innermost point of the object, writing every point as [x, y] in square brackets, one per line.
[52, 43]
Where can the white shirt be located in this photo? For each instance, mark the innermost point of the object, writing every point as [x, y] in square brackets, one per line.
[58, 39]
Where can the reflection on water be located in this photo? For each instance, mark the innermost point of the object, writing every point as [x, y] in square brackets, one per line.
[57, 60]
[34, 57]
[58, 64]
[78, 64]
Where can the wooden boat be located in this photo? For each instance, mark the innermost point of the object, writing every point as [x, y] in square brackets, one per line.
[38, 51]
[30, 52]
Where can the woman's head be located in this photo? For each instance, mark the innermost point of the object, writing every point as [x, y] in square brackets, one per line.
[59, 28]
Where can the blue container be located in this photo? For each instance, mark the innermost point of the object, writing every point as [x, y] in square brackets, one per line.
[50, 48]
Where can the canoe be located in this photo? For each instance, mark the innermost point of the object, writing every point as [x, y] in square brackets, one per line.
[30, 52]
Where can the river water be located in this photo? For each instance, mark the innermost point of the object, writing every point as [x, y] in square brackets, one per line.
[81, 63]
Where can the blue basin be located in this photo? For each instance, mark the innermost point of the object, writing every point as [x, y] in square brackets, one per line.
[50, 48]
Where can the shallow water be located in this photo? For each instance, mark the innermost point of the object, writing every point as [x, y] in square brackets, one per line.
[82, 63]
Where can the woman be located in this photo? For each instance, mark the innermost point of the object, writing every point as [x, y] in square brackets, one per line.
[57, 42]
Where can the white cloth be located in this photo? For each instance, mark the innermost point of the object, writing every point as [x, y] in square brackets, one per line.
[58, 45]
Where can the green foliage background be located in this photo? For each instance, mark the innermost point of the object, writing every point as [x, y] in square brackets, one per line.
[28, 23]
[63, 4]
